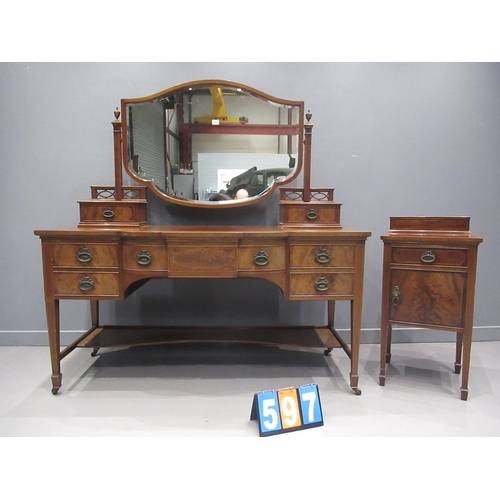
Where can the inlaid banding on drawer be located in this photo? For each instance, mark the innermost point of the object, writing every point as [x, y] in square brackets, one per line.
[202, 260]
[85, 254]
[85, 284]
[321, 256]
[455, 257]
[325, 285]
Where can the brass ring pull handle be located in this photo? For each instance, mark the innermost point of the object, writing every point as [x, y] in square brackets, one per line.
[84, 255]
[86, 284]
[261, 258]
[322, 256]
[144, 258]
[428, 257]
[311, 214]
[396, 296]
[322, 284]
[109, 213]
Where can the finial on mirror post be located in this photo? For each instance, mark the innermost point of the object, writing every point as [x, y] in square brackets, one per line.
[117, 113]
[308, 126]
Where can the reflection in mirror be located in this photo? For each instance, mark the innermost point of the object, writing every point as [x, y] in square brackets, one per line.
[212, 143]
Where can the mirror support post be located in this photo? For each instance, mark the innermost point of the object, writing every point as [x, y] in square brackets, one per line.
[307, 157]
[117, 135]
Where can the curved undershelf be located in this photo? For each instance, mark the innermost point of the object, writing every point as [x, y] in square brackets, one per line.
[122, 336]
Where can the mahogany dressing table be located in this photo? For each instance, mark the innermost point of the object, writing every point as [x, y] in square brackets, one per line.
[165, 143]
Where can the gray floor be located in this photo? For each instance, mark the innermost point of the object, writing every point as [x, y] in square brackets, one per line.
[134, 423]
[207, 391]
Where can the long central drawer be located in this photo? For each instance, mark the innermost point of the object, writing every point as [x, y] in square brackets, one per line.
[204, 260]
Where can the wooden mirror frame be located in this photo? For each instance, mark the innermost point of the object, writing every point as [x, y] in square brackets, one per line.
[237, 128]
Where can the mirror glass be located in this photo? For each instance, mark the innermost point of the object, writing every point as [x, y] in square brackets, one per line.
[212, 143]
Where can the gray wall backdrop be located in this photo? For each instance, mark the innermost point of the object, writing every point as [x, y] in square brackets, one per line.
[391, 138]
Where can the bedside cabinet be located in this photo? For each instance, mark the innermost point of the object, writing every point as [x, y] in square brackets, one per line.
[429, 275]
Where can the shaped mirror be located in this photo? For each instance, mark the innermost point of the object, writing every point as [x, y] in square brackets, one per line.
[212, 143]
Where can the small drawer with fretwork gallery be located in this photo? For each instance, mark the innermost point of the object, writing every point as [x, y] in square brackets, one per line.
[112, 212]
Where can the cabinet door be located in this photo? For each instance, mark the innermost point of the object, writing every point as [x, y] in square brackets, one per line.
[427, 297]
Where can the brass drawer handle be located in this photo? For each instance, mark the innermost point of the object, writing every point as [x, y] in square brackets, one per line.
[396, 296]
[108, 213]
[261, 258]
[86, 284]
[311, 214]
[322, 284]
[84, 255]
[322, 257]
[428, 257]
[144, 258]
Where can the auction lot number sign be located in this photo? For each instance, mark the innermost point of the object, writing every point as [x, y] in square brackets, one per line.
[285, 410]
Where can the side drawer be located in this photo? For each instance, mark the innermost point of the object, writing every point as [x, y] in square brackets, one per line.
[81, 284]
[321, 256]
[145, 256]
[454, 257]
[256, 257]
[85, 254]
[321, 286]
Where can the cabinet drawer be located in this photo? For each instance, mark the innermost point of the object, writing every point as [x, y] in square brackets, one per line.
[145, 257]
[207, 260]
[261, 257]
[321, 286]
[321, 256]
[86, 284]
[85, 254]
[455, 257]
